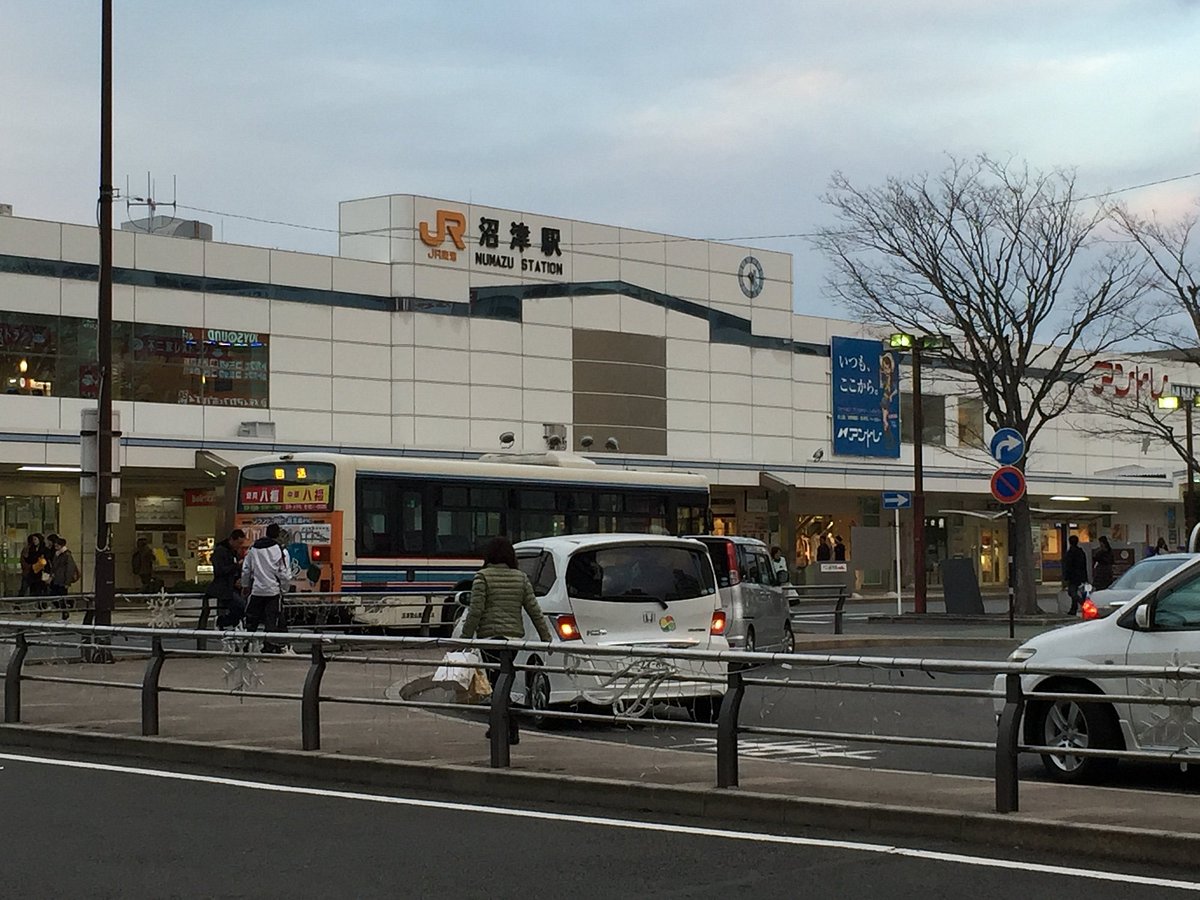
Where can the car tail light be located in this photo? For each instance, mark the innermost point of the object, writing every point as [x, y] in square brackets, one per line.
[567, 628]
[731, 558]
[1089, 609]
[718, 622]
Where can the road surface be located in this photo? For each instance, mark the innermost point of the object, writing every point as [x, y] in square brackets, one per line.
[85, 828]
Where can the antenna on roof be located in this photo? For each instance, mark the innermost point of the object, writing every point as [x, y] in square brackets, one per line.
[148, 224]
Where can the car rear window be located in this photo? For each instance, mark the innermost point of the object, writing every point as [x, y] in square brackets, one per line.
[1146, 572]
[661, 573]
[718, 552]
[540, 569]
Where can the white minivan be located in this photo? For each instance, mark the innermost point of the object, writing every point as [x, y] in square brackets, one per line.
[623, 590]
[1158, 627]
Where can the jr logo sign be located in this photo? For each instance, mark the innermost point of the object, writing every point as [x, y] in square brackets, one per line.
[449, 224]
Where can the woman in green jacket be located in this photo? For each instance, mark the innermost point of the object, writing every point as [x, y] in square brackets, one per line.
[499, 594]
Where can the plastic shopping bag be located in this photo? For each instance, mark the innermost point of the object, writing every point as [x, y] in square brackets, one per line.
[459, 667]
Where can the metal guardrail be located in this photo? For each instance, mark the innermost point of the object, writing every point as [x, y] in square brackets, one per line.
[325, 649]
[804, 595]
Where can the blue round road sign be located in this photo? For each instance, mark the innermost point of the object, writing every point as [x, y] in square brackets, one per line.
[1007, 446]
[1008, 484]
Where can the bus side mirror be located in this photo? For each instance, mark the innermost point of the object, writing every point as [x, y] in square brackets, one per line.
[1141, 616]
[462, 598]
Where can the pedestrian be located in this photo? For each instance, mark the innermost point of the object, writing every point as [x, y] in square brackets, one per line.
[779, 566]
[839, 549]
[1075, 573]
[499, 593]
[1160, 547]
[824, 549]
[63, 573]
[227, 570]
[1102, 565]
[266, 577]
[143, 564]
[34, 574]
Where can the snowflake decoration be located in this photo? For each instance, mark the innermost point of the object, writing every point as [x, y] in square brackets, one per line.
[241, 671]
[163, 612]
[1176, 726]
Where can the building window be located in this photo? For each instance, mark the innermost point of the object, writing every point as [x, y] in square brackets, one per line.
[56, 356]
[970, 423]
[934, 408]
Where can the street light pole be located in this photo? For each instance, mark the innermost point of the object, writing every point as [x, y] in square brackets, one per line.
[919, 586]
[1189, 497]
[104, 572]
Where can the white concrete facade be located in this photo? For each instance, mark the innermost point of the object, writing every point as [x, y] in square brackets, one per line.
[390, 346]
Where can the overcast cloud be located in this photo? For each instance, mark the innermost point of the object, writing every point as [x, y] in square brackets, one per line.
[714, 120]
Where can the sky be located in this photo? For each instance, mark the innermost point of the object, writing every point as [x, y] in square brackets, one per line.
[716, 120]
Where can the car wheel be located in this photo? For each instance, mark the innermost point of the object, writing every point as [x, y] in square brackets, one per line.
[706, 709]
[537, 695]
[751, 644]
[1069, 725]
[789, 639]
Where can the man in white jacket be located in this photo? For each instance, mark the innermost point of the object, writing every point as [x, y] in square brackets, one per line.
[268, 571]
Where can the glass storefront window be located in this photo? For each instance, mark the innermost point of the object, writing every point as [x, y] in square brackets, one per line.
[56, 356]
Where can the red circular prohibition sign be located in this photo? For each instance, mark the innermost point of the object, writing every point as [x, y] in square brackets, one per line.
[1008, 484]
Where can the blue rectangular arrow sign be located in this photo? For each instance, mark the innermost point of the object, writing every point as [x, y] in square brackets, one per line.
[897, 499]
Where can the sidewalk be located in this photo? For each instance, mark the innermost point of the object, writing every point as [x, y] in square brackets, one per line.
[420, 748]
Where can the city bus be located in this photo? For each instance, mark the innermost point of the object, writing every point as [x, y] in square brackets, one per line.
[415, 528]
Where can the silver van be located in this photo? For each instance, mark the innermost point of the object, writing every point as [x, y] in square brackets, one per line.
[754, 600]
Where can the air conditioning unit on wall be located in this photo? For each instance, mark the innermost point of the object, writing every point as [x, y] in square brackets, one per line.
[257, 430]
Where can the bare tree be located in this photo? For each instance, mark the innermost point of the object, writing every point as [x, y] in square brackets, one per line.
[1010, 264]
[1174, 266]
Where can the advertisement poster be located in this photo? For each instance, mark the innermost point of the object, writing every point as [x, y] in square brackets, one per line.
[866, 399]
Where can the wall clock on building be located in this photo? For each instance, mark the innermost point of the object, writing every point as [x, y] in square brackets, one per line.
[750, 277]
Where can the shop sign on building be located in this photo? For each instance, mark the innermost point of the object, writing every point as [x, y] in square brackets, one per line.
[866, 399]
[510, 244]
[158, 512]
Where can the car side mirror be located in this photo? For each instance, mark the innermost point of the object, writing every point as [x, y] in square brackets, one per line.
[1141, 616]
[462, 598]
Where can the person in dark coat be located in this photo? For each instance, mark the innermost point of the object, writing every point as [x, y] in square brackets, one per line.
[839, 549]
[227, 569]
[34, 560]
[1102, 565]
[1075, 573]
[824, 550]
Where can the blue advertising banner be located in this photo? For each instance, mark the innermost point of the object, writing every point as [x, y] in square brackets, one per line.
[866, 399]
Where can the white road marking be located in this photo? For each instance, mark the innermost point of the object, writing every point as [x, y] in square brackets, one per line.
[630, 824]
[784, 750]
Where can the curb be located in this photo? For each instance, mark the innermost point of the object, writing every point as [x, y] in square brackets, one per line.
[749, 807]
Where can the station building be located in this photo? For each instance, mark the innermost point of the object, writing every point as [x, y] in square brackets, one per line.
[445, 328]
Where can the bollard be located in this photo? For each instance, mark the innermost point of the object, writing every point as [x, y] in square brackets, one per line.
[727, 729]
[202, 624]
[150, 688]
[12, 681]
[500, 719]
[839, 610]
[1008, 734]
[310, 702]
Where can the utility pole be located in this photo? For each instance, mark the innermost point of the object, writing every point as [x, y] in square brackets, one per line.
[919, 588]
[105, 573]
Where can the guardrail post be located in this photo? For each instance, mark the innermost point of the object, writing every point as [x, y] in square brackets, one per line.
[202, 624]
[501, 712]
[12, 681]
[727, 729]
[150, 687]
[310, 703]
[1008, 734]
[839, 610]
